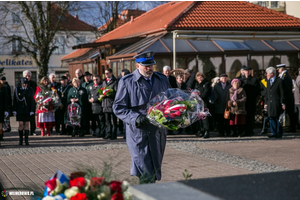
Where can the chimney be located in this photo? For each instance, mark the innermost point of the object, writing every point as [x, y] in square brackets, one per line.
[76, 16]
[131, 20]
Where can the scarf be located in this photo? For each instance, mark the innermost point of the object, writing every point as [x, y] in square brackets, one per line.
[234, 96]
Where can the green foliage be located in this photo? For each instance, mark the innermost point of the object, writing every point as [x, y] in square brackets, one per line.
[186, 175]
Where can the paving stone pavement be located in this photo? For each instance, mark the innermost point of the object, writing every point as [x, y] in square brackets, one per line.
[214, 157]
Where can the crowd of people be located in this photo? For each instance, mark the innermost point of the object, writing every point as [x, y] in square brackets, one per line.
[238, 95]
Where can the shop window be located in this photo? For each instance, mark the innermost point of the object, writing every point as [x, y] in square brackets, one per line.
[127, 65]
[119, 69]
[19, 75]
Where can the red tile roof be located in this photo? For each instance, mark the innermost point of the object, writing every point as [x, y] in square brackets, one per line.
[69, 22]
[202, 15]
[76, 53]
[233, 14]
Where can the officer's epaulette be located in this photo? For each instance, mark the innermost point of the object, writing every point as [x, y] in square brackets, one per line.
[127, 76]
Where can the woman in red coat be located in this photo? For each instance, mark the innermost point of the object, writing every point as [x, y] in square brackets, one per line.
[45, 119]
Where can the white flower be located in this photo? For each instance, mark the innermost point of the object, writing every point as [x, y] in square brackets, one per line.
[71, 192]
[127, 195]
[48, 198]
[58, 189]
[88, 182]
[124, 185]
[105, 189]
[101, 196]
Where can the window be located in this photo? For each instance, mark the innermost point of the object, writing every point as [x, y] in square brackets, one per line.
[117, 73]
[19, 75]
[133, 65]
[261, 3]
[274, 4]
[59, 74]
[16, 18]
[16, 46]
[80, 40]
[60, 43]
[90, 67]
[113, 66]
[127, 65]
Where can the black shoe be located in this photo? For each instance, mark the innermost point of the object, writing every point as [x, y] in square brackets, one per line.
[271, 136]
[206, 134]
[278, 136]
[21, 137]
[198, 134]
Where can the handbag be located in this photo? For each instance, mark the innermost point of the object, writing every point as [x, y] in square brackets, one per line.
[227, 112]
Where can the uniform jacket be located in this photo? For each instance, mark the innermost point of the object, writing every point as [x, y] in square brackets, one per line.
[62, 92]
[275, 97]
[204, 89]
[288, 91]
[172, 81]
[96, 105]
[252, 89]
[146, 144]
[108, 101]
[3, 100]
[82, 96]
[23, 107]
[31, 84]
[221, 96]
[87, 85]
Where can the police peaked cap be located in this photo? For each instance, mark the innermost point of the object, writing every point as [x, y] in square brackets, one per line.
[280, 66]
[3, 78]
[24, 80]
[145, 58]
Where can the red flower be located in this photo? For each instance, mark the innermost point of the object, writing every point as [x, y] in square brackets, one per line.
[78, 182]
[79, 196]
[115, 186]
[96, 181]
[102, 89]
[51, 184]
[76, 174]
[117, 196]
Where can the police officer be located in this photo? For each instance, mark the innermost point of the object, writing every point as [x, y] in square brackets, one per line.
[107, 103]
[78, 94]
[3, 108]
[62, 92]
[23, 108]
[97, 115]
[88, 83]
[146, 142]
[288, 94]
[27, 74]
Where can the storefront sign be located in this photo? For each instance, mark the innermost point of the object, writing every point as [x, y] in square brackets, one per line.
[13, 62]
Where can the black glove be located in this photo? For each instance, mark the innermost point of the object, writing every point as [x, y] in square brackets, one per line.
[141, 120]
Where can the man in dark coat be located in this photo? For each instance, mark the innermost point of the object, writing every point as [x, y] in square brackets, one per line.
[62, 92]
[107, 103]
[252, 89]
[172, 79]
[190, 82]
[97, 111]
[289, 95]
[221, 90]
[9, 101]
[88, 84]
[146, 142]
[274, 102]
[79, 75]
[27, 74]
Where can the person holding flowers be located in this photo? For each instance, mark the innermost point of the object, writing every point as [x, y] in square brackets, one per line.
[78, 94]
[236, 101]
[146, 142]
[45, 117]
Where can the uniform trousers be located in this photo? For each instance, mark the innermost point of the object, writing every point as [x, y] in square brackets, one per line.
[100, 119]
[32, 123]
[223, 124]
